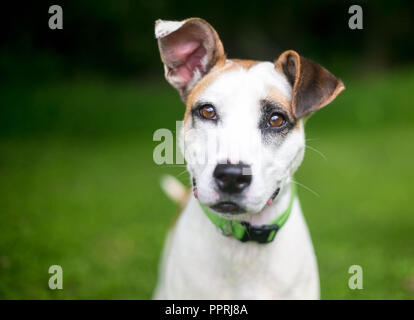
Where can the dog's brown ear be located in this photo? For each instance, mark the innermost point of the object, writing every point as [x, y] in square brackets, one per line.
[313, 86]
[189, 49]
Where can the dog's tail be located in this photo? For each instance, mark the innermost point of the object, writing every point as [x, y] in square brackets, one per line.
[174, 189]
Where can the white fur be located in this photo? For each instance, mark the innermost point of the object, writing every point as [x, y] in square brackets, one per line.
[164, 28]
[201, 263]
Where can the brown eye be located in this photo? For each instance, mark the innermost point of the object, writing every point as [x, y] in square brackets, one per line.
[207, 111]
[276, 120]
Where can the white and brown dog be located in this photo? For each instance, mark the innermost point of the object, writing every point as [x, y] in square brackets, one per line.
[241, 234]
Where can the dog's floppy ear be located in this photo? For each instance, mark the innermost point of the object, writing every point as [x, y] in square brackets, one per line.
[313, 86]
[189, 49]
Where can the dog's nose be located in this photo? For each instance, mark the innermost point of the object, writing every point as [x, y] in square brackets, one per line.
[232, 178]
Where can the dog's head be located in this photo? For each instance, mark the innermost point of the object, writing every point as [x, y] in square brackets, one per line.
[243, 134]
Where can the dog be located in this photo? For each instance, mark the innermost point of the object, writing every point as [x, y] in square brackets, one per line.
[241, 235]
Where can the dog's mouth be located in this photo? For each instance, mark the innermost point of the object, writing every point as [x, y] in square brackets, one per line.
[228, 207]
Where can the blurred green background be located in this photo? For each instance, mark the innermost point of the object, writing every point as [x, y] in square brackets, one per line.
[78, 108]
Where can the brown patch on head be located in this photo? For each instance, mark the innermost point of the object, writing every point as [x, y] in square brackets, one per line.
[209, 78]
[220, 68]
[246, 64]
[275, 95]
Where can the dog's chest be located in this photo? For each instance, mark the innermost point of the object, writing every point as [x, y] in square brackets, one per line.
[203, 264]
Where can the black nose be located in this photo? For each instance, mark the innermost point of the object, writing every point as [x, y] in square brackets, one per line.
[232, 178]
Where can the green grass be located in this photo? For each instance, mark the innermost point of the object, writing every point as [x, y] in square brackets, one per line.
[79, 188]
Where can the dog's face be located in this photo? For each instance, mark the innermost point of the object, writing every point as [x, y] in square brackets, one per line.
[243, 134]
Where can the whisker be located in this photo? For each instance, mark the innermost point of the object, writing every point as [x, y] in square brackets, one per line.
[181, 173]
[306, 188]
[317, 151]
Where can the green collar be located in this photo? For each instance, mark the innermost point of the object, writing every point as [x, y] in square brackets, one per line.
[244, 231]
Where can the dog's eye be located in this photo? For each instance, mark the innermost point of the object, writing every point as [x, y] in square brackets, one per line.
[276, 120]
[207, 111]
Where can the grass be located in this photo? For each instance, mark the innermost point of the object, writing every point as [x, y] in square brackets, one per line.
[79, 188]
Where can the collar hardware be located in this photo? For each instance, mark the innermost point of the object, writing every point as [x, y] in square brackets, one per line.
[260, 234]
[244, 231]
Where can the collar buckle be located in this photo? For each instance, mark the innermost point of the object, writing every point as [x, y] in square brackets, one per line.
[260, 234]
